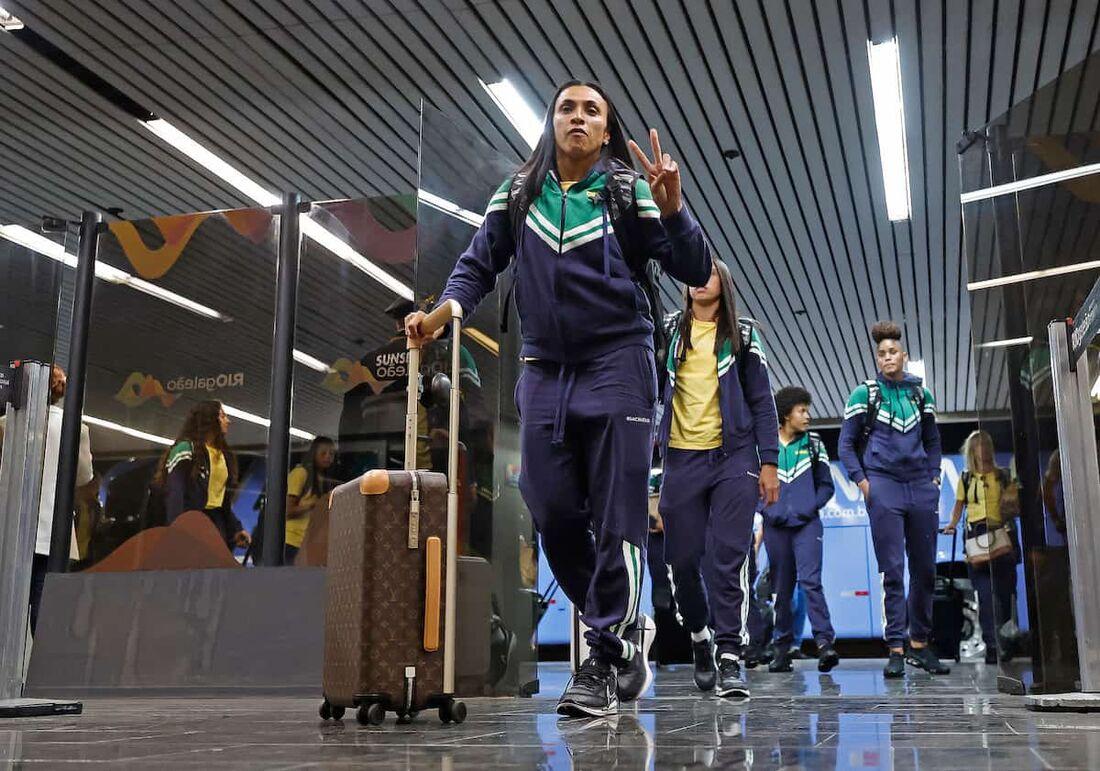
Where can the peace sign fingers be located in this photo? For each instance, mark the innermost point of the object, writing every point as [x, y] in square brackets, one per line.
[647, 167]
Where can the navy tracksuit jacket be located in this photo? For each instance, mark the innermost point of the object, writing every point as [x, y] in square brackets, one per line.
[586, 395]
[901, 461]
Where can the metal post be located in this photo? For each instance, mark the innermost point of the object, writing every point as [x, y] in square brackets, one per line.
[282, 379]
[1081, 487]
[21, 467]
[90, 227]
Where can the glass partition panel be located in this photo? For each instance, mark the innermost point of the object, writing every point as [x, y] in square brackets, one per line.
[1032, 259]
[1051, 131]
[355, 287]
[458, 175]
[178, 385]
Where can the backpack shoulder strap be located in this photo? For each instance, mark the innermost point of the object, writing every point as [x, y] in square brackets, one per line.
[874, 401]
[516, 207]
[622, 210]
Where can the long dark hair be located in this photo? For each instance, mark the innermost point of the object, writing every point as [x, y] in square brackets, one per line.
[201, 423]
[545, 154]
[317, 481]
[727, 315]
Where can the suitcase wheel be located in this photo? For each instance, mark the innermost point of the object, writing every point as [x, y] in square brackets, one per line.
[452, 711]
[371, 714]
[405, 718]
[328, 711]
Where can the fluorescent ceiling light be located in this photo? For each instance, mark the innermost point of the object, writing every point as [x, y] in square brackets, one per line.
[1031, 275]
[515, 108]
[885, 65]
[1006, 343]
[8, 22]
[915, 367]
[39, 243]
[311, 228]
[449, 207]
[112, 426]
[248, 417]
[1027, 184]
[309, 361]
[209, 161]
[256, 192]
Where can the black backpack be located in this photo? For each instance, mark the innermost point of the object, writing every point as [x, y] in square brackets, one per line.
[874, 402]
[622, 211]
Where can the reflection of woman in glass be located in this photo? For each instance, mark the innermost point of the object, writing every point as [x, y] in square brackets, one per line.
[1053, 496]
[307, 482]
[200, 470]
[985, 491]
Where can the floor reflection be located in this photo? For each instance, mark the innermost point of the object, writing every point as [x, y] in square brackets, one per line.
[849, 719]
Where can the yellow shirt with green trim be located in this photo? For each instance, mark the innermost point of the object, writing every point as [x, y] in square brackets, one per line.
[219, 478]
[696, 414]
[296, 486]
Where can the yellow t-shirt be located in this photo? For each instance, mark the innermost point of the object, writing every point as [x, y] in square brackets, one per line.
[296, 485]
[219, 478]
[696, 415]
[982, 498]
[566, 185]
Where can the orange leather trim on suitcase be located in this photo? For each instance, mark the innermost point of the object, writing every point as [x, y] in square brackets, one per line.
[433, 586]
[374, 482]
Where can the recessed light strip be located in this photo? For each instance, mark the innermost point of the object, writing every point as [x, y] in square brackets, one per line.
[515, 108]
[449, 207]
[1031, 275]
[112, 426]
[55, 251]
[1031, 182]
[885, 65]
[248, 417]
[253, 190]
[1006, 343]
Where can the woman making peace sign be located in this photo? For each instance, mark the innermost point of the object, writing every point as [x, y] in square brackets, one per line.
[586, 395]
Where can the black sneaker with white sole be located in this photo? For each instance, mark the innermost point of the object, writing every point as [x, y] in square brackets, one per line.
[926, 659]
[592, 691]
[730, 680]
[827, 658]
[637, 675]
[705, 672]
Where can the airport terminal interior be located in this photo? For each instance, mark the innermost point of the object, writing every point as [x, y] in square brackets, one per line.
[216, 217]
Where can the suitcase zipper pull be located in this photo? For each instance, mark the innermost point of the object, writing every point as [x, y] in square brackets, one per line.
[414, 512]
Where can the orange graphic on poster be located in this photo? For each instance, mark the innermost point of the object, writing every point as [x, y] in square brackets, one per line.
[140, 388]
[347, 374]
[177, 231]
[154, 263]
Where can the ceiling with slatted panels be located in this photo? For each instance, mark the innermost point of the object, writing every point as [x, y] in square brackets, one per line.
[323, 96]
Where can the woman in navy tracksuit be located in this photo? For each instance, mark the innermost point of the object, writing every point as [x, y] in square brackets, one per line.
[890, 445]
[719, 437]
[793, 531]
[586, 395]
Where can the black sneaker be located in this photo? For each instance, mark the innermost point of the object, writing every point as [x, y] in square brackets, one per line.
[756, 655]
[990, 654]
[781, 662]
[591, 691]
[827, 658]
[730, 681]
[925, 659]
[895, 667]
[636, 676]
[705, 671]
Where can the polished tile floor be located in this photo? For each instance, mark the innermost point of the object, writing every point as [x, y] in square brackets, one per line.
[850, 719]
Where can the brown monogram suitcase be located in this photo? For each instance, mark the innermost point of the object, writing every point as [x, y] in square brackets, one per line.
[390, 587]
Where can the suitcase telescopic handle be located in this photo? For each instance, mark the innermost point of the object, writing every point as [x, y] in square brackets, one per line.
[448, 311]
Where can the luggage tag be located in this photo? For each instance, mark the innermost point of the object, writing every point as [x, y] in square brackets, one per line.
[414, 512]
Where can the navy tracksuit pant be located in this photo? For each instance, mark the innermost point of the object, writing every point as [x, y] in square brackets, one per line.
[708, 499]
[795, 553]
[904, 523]
[586, 438]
